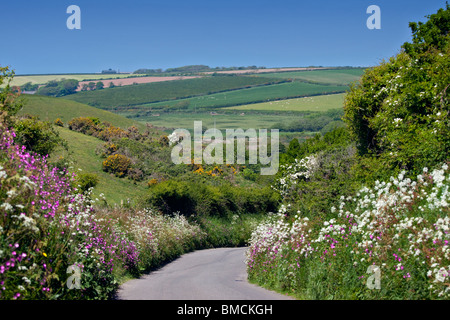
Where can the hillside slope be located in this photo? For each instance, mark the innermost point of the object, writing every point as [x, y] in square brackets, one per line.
[49, 109]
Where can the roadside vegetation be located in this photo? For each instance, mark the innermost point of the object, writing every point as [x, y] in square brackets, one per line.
[365, 210]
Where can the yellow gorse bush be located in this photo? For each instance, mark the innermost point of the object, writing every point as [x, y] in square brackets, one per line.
[117, 164]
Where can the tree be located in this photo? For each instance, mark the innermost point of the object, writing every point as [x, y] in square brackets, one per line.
[59, 88]
[68, 86]
[99, 85]
[432, 34]
[399, 112]
[29, 87]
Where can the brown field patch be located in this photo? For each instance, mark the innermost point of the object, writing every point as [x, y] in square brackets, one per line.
[136, 80]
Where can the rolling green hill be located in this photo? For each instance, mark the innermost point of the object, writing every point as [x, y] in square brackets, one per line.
[82, 148]
[49, 109]
[82, 156]
[244, 96]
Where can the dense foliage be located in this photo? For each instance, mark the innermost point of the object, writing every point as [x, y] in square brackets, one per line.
[58, 88]
[399, 112]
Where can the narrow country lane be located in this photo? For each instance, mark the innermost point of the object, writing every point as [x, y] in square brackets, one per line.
[211, 274]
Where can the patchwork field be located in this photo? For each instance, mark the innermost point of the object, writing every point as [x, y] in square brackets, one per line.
[136, 80]
[251, 95]
[332, 77]
[312, 103]
[283, 99]
[266, 70]
[49, 109]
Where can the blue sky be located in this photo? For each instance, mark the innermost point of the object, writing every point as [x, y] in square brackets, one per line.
[133, 34]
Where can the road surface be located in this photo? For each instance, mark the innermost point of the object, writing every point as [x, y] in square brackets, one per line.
[211, 274]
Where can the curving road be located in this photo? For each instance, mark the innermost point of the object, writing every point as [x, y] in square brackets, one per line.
[211, 274]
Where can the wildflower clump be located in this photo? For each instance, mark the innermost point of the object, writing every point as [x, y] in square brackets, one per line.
[45, 227]
[400, 226]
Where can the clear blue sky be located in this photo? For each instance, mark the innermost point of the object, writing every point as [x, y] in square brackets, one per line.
[132, 34]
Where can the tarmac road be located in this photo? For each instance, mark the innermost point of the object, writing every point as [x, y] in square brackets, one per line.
[210, 274]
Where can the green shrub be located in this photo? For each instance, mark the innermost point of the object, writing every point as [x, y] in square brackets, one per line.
[37, 136]
[85, 181]
[196, 197]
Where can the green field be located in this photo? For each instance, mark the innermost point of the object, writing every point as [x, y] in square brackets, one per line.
[49, 109]
[167, 90]
[223, 120]
[332, 77]
[313, 103]
[19, 80]
[251, 95]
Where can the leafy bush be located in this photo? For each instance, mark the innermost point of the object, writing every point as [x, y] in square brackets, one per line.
[199, 198]
[399, 112]
[85, 181]
[37, 136]
[10, 103]
[86, 125]
[58, 122]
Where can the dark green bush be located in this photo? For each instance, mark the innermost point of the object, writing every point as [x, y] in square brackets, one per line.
[85, 181]
[199, 198]
[37, 136]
